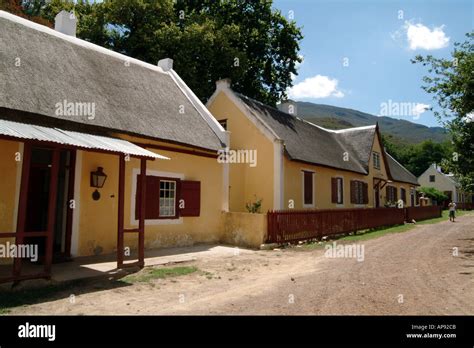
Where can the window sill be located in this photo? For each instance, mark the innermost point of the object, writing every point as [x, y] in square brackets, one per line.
[162, 221]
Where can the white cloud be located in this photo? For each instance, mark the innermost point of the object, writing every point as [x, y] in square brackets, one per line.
[422, 37]
[318, 86]
[418, 109]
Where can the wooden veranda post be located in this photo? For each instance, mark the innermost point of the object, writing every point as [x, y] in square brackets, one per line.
[141, 224]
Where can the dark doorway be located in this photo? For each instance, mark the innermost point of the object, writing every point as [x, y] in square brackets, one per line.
[38, 197]
[377, 195]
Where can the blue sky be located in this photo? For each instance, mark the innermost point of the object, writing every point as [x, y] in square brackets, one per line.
[357, 52]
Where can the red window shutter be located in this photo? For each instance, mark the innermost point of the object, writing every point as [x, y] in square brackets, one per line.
[334, 190]
[365, 193]
[308, 187]
[353, 192]
[341, 184]
[152, 197]
[190, 196]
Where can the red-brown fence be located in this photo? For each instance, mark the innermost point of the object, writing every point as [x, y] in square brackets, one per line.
[422, 213]
[465, 206]
[295, 225]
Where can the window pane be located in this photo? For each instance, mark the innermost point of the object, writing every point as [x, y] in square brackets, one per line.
[167, 198]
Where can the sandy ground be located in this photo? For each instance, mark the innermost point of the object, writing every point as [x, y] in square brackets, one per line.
[414, 272]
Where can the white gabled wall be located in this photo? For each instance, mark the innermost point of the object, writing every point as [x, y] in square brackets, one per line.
[442, 182]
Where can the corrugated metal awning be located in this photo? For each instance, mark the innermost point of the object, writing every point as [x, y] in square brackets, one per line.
[76, 139]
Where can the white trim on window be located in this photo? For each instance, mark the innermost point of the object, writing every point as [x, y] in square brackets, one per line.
[313, 205]
[152, 222]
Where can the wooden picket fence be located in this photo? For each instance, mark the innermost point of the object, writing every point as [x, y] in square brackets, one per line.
[286, 226]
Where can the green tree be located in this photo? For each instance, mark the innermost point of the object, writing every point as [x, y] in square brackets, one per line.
[29, 9]
[418, 157]
[452, 84]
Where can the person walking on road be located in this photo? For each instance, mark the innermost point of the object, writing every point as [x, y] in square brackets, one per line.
[452, 211]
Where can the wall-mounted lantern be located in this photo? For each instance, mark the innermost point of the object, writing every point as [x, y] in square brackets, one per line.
[97, 180]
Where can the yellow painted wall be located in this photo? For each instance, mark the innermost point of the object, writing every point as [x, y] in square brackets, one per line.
[9, 169]
[8, 173]
[293, 183]
[98, 221]
[246, 183]
[244, 229]
[322, 186]
[383, 173]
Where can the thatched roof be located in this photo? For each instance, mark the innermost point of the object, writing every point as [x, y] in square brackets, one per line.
[129, 96]
[307, 142]
[399, 172]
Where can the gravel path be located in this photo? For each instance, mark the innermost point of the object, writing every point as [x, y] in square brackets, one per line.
[413, 272]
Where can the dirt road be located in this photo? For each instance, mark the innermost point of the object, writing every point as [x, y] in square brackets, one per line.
[414, 272]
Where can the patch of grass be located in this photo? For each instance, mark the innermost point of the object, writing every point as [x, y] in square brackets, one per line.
[149, 274]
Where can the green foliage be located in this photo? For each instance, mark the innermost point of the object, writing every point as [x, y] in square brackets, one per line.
[29, 9]
[418, 157]
[244, 40]
[254, 207]
[452, 84]
[433, 193]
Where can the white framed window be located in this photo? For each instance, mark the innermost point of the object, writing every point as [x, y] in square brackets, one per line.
[376, 159]
[167, 198]
[157, 219]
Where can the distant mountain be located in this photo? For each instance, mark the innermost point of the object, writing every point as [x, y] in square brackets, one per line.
[334, 117]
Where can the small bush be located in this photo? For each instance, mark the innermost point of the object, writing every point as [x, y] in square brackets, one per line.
[254, 207]
[434, 194]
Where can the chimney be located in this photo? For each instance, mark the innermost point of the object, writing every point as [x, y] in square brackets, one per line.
[288, 106]
[166, 64]
[224, 83]
[66, 23]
